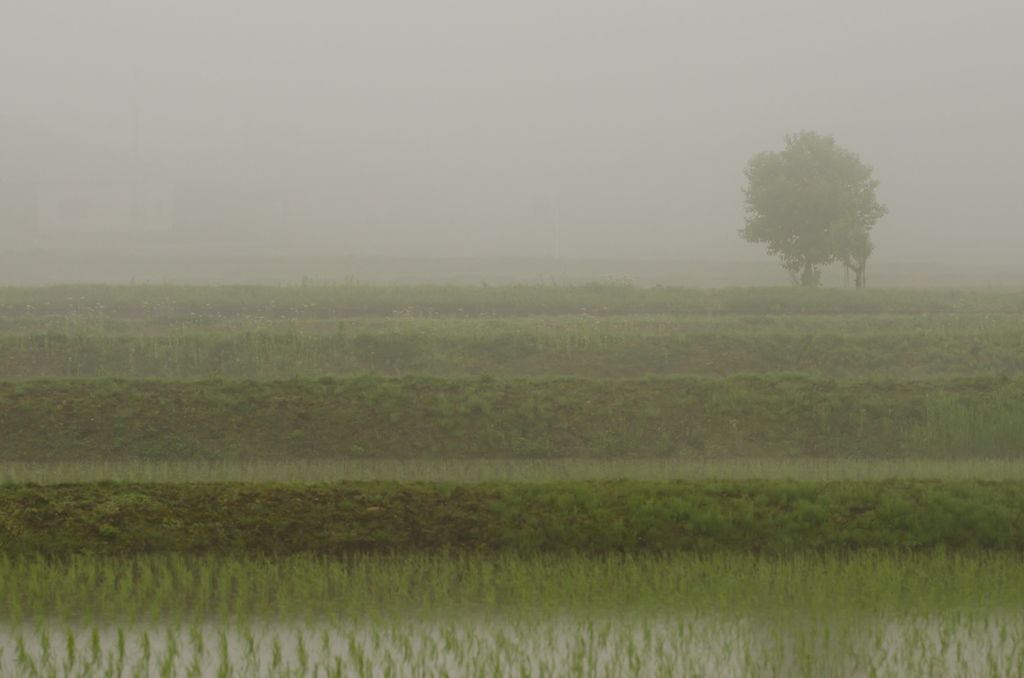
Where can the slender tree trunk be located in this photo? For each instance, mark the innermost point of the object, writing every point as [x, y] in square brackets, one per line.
[807, 279]
[861, 279]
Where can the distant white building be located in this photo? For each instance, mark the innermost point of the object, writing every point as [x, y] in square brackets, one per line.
[65, 190]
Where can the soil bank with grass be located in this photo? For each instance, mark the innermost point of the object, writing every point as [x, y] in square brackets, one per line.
[602, 517]
[781, 416]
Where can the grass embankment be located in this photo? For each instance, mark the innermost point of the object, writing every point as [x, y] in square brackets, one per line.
[660, 469]
[578, 326]
[597, 331]
[342, 301]
[756, 517]
[424, 417]
[584, 351]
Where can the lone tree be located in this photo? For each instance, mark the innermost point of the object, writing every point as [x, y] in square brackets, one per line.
[813, 204]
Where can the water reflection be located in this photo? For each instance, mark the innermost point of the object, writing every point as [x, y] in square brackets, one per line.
[954, 643]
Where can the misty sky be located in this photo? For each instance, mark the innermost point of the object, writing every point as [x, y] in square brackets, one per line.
[474, 127]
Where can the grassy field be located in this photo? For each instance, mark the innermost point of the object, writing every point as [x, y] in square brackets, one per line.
[610, 299]
[593, 331]
[596, 349]
[123, 258]
[316, 469]
[591, 479]
[593, 518]
[429, 417]
[461, 327]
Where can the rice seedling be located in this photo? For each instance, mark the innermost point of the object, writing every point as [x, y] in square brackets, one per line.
[950, 644]
[870, 614]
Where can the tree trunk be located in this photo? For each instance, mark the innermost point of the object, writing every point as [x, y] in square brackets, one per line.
[808, 279]
[861, 281]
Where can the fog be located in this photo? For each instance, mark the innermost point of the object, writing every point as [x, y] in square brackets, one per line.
[562, 127]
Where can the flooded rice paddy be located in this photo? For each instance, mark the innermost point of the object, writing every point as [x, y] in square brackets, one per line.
[853, 615]
[525, 643]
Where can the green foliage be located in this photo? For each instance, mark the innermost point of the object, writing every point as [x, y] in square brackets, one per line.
[528, 553]
[812, 203]
[758, 517]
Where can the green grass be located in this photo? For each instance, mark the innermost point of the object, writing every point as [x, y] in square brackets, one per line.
[515, 470]
[401, 322]
[509, 348]
[341, 301]
[594, 518]
[428, 417]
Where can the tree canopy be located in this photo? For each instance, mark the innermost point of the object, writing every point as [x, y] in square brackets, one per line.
[812, 204]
